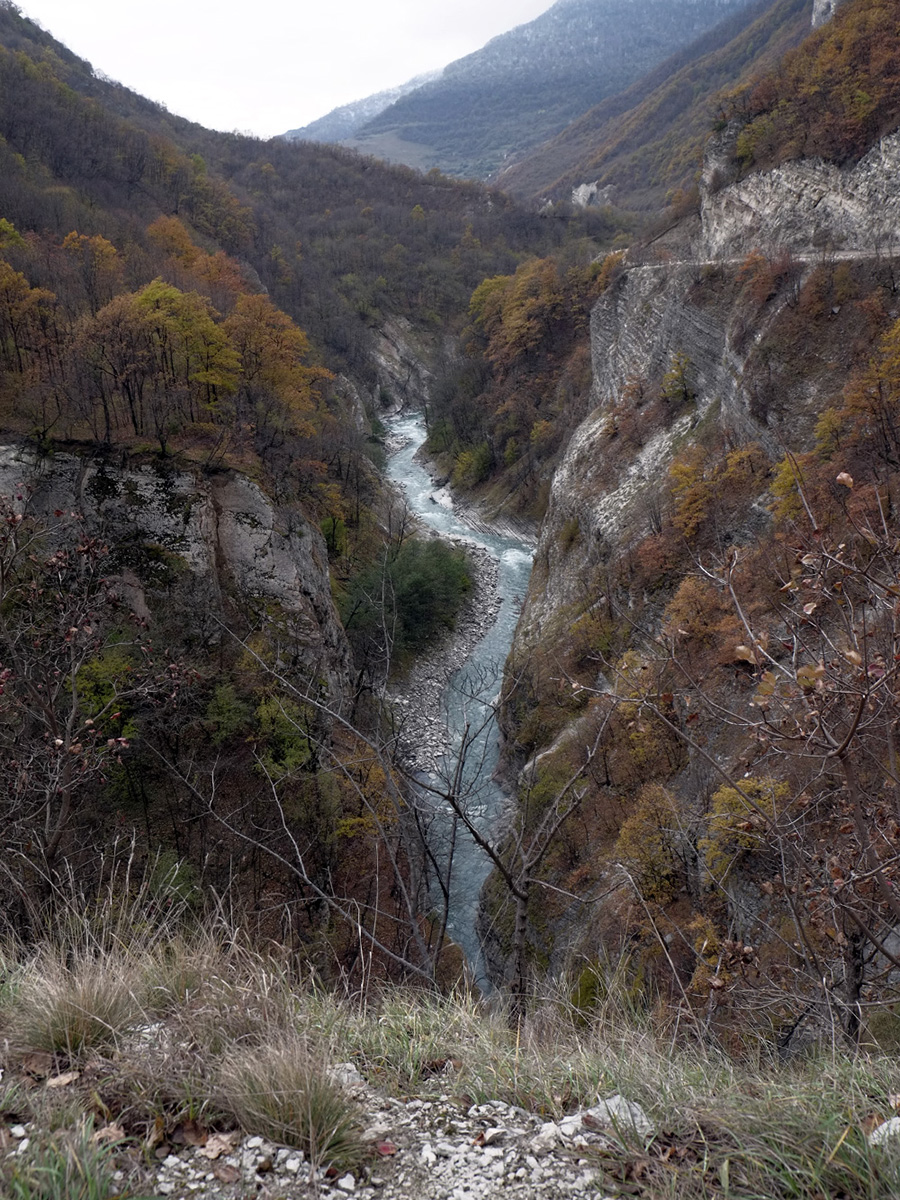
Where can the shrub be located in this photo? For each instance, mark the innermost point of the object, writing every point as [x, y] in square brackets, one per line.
[738, 823]
[648, 845]
[416, 594]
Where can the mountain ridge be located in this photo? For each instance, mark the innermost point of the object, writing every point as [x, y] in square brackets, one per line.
[525, 85]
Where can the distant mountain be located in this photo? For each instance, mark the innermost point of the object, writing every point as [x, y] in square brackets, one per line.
[345, 122]
[634, 147]
[523, 87]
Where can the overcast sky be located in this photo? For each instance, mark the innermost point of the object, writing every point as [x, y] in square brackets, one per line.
[265, 66]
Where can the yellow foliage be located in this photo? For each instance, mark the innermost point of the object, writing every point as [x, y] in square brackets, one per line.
[786, 489]
[692, 491]
[648, 843]
[696, 611]
[739, 822]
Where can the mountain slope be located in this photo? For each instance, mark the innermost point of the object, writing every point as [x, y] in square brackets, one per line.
[647, 140]
[344, 122]
[526, 85]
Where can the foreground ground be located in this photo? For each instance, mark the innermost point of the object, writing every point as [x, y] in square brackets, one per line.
[182, 1064]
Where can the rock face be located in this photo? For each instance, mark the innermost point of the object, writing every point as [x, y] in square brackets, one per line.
[824, 10]
[804, 205]
[690, 304]
[223, 527]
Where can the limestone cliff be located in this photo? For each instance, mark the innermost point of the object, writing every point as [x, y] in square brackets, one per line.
[806, 205]
[742, 358]
[222, 527]
[714, 351]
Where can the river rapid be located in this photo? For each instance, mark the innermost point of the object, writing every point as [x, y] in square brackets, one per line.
[464, 705]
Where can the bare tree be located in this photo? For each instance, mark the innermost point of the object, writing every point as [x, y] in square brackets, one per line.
[74, 667]
[808, 797]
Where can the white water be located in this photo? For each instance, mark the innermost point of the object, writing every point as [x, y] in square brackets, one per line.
[468, 698]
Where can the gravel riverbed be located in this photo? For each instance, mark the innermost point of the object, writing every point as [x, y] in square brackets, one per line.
[418, 699]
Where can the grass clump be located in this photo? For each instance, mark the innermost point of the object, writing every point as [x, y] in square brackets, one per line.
[65, 1166]
[280, 1091]
[71, 1008]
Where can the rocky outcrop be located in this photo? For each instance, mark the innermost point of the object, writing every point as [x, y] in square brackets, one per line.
[823, 11]
[805, 205]
[222, 527]
[402, 357]
[691, 304]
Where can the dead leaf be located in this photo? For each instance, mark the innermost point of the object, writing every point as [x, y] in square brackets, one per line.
[60, 1081]
[109, 1133]
[156, 1133]
[220, 1143]
[226, 1174]
[39, 1064]
[189, 1133]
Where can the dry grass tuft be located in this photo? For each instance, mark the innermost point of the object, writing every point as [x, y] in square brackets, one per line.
[70, 1008]
[280, 1091]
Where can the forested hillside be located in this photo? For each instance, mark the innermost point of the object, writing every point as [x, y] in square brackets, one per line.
[703, 684]
[190, 394]
[644, 144]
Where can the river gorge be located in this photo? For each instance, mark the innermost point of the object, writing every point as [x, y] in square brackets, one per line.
[447, 703]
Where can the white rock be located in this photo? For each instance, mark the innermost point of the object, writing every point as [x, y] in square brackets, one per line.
[292, 1166]
[885, 1133]
[346, 1075]
[17, 1131]
[571, 1126]
[619, 1114]
[347, 1183]
[496, 1134]
[253, 1143]
[545, 1139]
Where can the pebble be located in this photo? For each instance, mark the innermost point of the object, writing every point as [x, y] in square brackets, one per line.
[485, 1152]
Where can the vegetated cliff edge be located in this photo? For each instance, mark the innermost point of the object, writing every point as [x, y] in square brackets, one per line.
[695, 301]
[724, 358]
[222, 527]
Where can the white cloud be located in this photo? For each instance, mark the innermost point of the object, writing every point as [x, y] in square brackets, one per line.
[294, 63]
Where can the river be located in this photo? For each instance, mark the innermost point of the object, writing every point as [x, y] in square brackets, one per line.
[467, 701]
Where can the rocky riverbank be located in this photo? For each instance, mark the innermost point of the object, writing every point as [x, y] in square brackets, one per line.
[422, 735]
